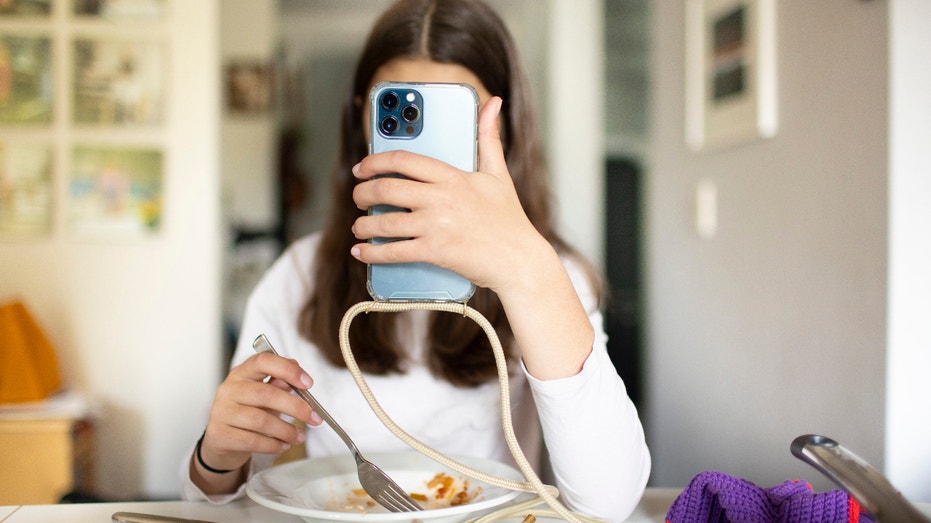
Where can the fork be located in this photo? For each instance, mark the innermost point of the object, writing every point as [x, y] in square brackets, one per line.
[375, 481]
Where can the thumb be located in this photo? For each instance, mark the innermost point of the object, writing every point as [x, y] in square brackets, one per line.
[490, 150]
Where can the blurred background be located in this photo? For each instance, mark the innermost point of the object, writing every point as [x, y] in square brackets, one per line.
[157, 155]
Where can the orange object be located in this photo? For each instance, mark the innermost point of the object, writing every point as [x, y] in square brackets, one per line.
[28, 363]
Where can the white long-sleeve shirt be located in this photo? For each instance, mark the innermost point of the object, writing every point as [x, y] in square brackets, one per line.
[591, 429]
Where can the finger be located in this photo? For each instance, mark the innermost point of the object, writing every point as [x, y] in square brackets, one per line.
[399, 192]
[246, 386]
[236, 430]
[266, 423]
[281, 384]
[490, 150]
[393, 252]
[259, 367]
[415, 166]
[314, 419]
[224, 440]
[387, 225]
[275, 396]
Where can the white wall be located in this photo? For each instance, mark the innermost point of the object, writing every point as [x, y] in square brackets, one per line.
[249, 34]
[908, 418]
[776, 326]
[136, 323]
[575, 123]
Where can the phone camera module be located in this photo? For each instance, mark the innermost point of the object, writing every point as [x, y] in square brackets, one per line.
[390, 125]
[390, 100]
[399, 112]
[410, 113]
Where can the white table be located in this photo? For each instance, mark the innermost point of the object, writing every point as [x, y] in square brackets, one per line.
[652, 509]
[6, 511]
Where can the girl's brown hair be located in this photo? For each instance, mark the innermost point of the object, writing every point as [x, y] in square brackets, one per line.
[470, 34]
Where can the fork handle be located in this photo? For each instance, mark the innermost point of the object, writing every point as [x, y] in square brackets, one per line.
[261, 344]
[863, 482]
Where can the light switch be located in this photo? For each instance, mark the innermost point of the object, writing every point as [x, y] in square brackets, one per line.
[706, 209]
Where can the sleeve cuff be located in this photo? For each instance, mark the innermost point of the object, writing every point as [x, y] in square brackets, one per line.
[191, 492]
[569, 386]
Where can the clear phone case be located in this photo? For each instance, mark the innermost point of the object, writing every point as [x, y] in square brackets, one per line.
[437, 120]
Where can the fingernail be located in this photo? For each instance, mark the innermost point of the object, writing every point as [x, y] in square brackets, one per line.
[306, 380]
[316, 417]
[355, 252]
[356, 167]
[301, 436]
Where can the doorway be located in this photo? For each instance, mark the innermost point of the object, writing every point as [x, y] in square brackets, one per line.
[623, 313]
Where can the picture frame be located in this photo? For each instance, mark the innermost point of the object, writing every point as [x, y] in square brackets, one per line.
[26, 79]
[731, 77]
[119, 11]
[115, 192]
[25, 190]
[26, 8]
[118, 82]
[248, 87]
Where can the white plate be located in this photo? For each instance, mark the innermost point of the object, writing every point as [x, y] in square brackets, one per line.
[321, 490]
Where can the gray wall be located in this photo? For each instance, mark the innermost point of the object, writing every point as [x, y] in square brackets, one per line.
[775, 327]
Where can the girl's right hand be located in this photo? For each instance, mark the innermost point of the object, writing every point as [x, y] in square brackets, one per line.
[246, 412]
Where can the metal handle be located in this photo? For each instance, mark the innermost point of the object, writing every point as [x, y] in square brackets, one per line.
[261, 344]
[867, 485]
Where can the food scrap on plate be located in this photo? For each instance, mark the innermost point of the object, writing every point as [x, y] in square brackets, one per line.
[441, 491]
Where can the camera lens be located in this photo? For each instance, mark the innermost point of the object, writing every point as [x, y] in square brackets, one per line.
[390, 100]
[410, 113]
[389, 125]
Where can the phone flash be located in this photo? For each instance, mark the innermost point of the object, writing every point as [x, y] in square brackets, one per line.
[411, 97]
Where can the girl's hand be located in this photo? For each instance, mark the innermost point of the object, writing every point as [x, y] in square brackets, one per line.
[245, 418]
[469, 222]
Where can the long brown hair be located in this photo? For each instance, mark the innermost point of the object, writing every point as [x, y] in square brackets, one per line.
[464, 32]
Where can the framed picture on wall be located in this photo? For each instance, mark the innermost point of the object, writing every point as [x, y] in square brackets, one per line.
[248, 87]
[40, 8]
[730, 72]
[120, 10]
[118, 82]
[26, 80]
[115, 192]
[25, 190]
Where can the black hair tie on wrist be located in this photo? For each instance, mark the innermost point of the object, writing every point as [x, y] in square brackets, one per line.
[200, 458]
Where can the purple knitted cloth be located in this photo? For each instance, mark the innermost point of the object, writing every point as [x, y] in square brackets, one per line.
[715, 497]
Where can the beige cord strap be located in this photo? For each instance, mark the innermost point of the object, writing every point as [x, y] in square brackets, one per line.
[534, 484]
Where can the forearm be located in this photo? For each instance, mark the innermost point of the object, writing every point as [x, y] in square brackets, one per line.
[548, 320]
[595, 439]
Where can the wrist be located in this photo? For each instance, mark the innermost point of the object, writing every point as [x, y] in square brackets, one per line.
[529, 271]
[199, 457]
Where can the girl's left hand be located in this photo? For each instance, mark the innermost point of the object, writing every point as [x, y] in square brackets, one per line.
[469, 222]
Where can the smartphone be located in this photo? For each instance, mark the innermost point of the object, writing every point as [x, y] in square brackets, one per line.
[433, 119]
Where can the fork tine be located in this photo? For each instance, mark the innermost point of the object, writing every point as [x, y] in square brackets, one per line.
[392, 503]
[403, 498]
[391, 497]
[410, 506]
[383, 489]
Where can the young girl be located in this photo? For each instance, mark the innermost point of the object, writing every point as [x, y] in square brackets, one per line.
[434, 373]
